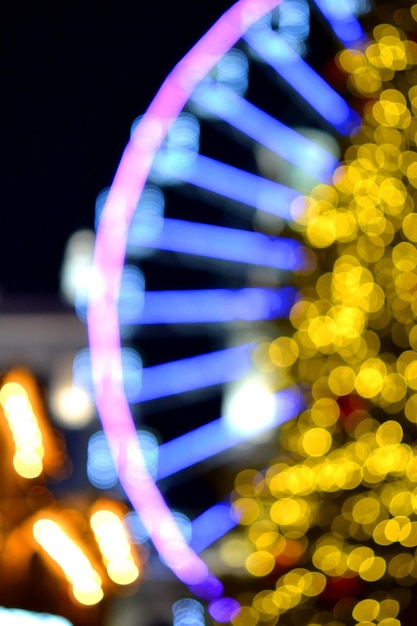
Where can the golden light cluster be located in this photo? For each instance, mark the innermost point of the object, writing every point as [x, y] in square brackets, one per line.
[330, 527]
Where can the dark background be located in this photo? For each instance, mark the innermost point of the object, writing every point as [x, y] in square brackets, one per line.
[72, 82]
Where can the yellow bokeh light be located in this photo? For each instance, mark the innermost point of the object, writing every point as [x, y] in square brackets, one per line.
[366, 610]
[316, 441]
[356, 336]
[260, 563]
[283, 351]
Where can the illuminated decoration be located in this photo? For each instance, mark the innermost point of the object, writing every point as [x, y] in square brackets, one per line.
[86, 582]
[114, 545]
[167, 154]
[35, 446]
[330, 525]
[18, 617]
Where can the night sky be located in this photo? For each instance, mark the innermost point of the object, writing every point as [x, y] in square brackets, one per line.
[71, 86]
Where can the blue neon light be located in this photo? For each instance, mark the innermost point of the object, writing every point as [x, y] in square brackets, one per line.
[175, 377]
[101, 470]
[216, 305]
[265, 129]
[208, 527]
[216, 437]
[302, 78]
[218, 242]
[293, 23]
[196, 372]
[174, 165]
[341, 17]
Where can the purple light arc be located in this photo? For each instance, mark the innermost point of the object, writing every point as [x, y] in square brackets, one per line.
[109, 256]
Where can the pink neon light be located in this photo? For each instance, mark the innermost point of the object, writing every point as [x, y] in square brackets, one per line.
[103, 325]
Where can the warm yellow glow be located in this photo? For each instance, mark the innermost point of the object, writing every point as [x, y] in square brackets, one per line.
[86, 582]
[260, 563]
[340, 496]
[26, 433]
[114, 544]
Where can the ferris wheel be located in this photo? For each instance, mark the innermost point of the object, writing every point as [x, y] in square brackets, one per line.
[190, 263]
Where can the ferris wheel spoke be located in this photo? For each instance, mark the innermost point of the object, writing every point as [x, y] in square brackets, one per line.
[258, 125]
[343, 21]
[214, 305]
[197, 372]
[220, 435]
[211, 525]
[312, 88]
[218, 242]
[224, 180]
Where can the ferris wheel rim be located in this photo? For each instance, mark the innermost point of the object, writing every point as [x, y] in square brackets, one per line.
[102, 317]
